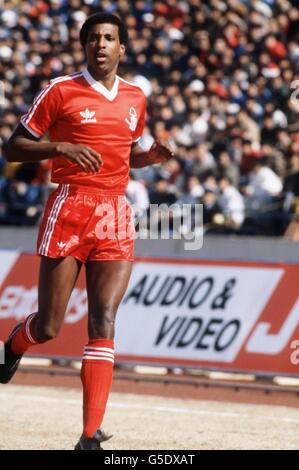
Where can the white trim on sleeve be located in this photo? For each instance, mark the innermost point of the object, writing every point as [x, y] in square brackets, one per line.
[35, 134]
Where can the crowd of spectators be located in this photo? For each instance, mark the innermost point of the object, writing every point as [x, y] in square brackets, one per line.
[220, 78]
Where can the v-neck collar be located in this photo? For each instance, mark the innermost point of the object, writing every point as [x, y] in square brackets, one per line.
[97, 86]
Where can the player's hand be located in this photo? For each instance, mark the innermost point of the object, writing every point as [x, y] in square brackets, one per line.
[87, 158]
[160, 151]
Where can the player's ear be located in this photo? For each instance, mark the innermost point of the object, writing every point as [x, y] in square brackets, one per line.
[122, 50]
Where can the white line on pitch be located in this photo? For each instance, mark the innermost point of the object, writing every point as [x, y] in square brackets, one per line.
[166, 409]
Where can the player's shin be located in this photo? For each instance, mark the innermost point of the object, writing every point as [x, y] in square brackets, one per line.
[96, 376]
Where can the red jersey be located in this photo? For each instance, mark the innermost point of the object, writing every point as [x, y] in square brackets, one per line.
[79, 110]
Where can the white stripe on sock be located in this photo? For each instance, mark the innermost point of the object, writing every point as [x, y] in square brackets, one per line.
[27, 327]
[87, 348]
[94, 353]
[96, 358]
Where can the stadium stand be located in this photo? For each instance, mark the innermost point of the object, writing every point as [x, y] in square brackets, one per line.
[220, 78]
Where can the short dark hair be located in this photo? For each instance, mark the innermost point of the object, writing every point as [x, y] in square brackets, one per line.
[102, 17]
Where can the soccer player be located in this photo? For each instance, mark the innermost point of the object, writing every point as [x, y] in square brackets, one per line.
[94, 119]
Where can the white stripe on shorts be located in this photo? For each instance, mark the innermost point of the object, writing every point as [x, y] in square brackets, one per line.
[52, 219]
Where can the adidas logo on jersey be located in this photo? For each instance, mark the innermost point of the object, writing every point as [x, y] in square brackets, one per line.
[88, 116]
[133, 119]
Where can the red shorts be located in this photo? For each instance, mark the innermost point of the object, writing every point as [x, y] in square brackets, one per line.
[80, 222]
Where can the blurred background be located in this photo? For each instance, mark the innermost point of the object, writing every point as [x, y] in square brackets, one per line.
[218, 77]
[222, 84]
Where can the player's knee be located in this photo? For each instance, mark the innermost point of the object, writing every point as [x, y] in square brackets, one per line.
[46, 333]
[103, 325]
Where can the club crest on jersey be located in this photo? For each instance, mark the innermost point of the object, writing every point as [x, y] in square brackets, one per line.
[88, 116]
[132, 122]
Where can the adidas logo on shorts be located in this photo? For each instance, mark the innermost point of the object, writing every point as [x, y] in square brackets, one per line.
[61, 245]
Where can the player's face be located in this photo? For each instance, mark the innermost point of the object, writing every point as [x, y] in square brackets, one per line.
[103, 49]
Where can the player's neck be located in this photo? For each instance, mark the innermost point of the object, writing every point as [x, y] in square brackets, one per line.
[106, 80]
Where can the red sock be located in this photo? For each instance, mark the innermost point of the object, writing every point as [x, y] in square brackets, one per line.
[24, 338]
[96, 376]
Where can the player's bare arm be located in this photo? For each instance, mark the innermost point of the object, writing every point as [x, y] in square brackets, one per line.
[159, 152]
[24, 147]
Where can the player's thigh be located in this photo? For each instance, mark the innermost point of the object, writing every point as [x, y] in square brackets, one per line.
[106, 283]
[57, 278]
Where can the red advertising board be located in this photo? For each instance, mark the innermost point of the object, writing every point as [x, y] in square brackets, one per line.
[218, 315]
